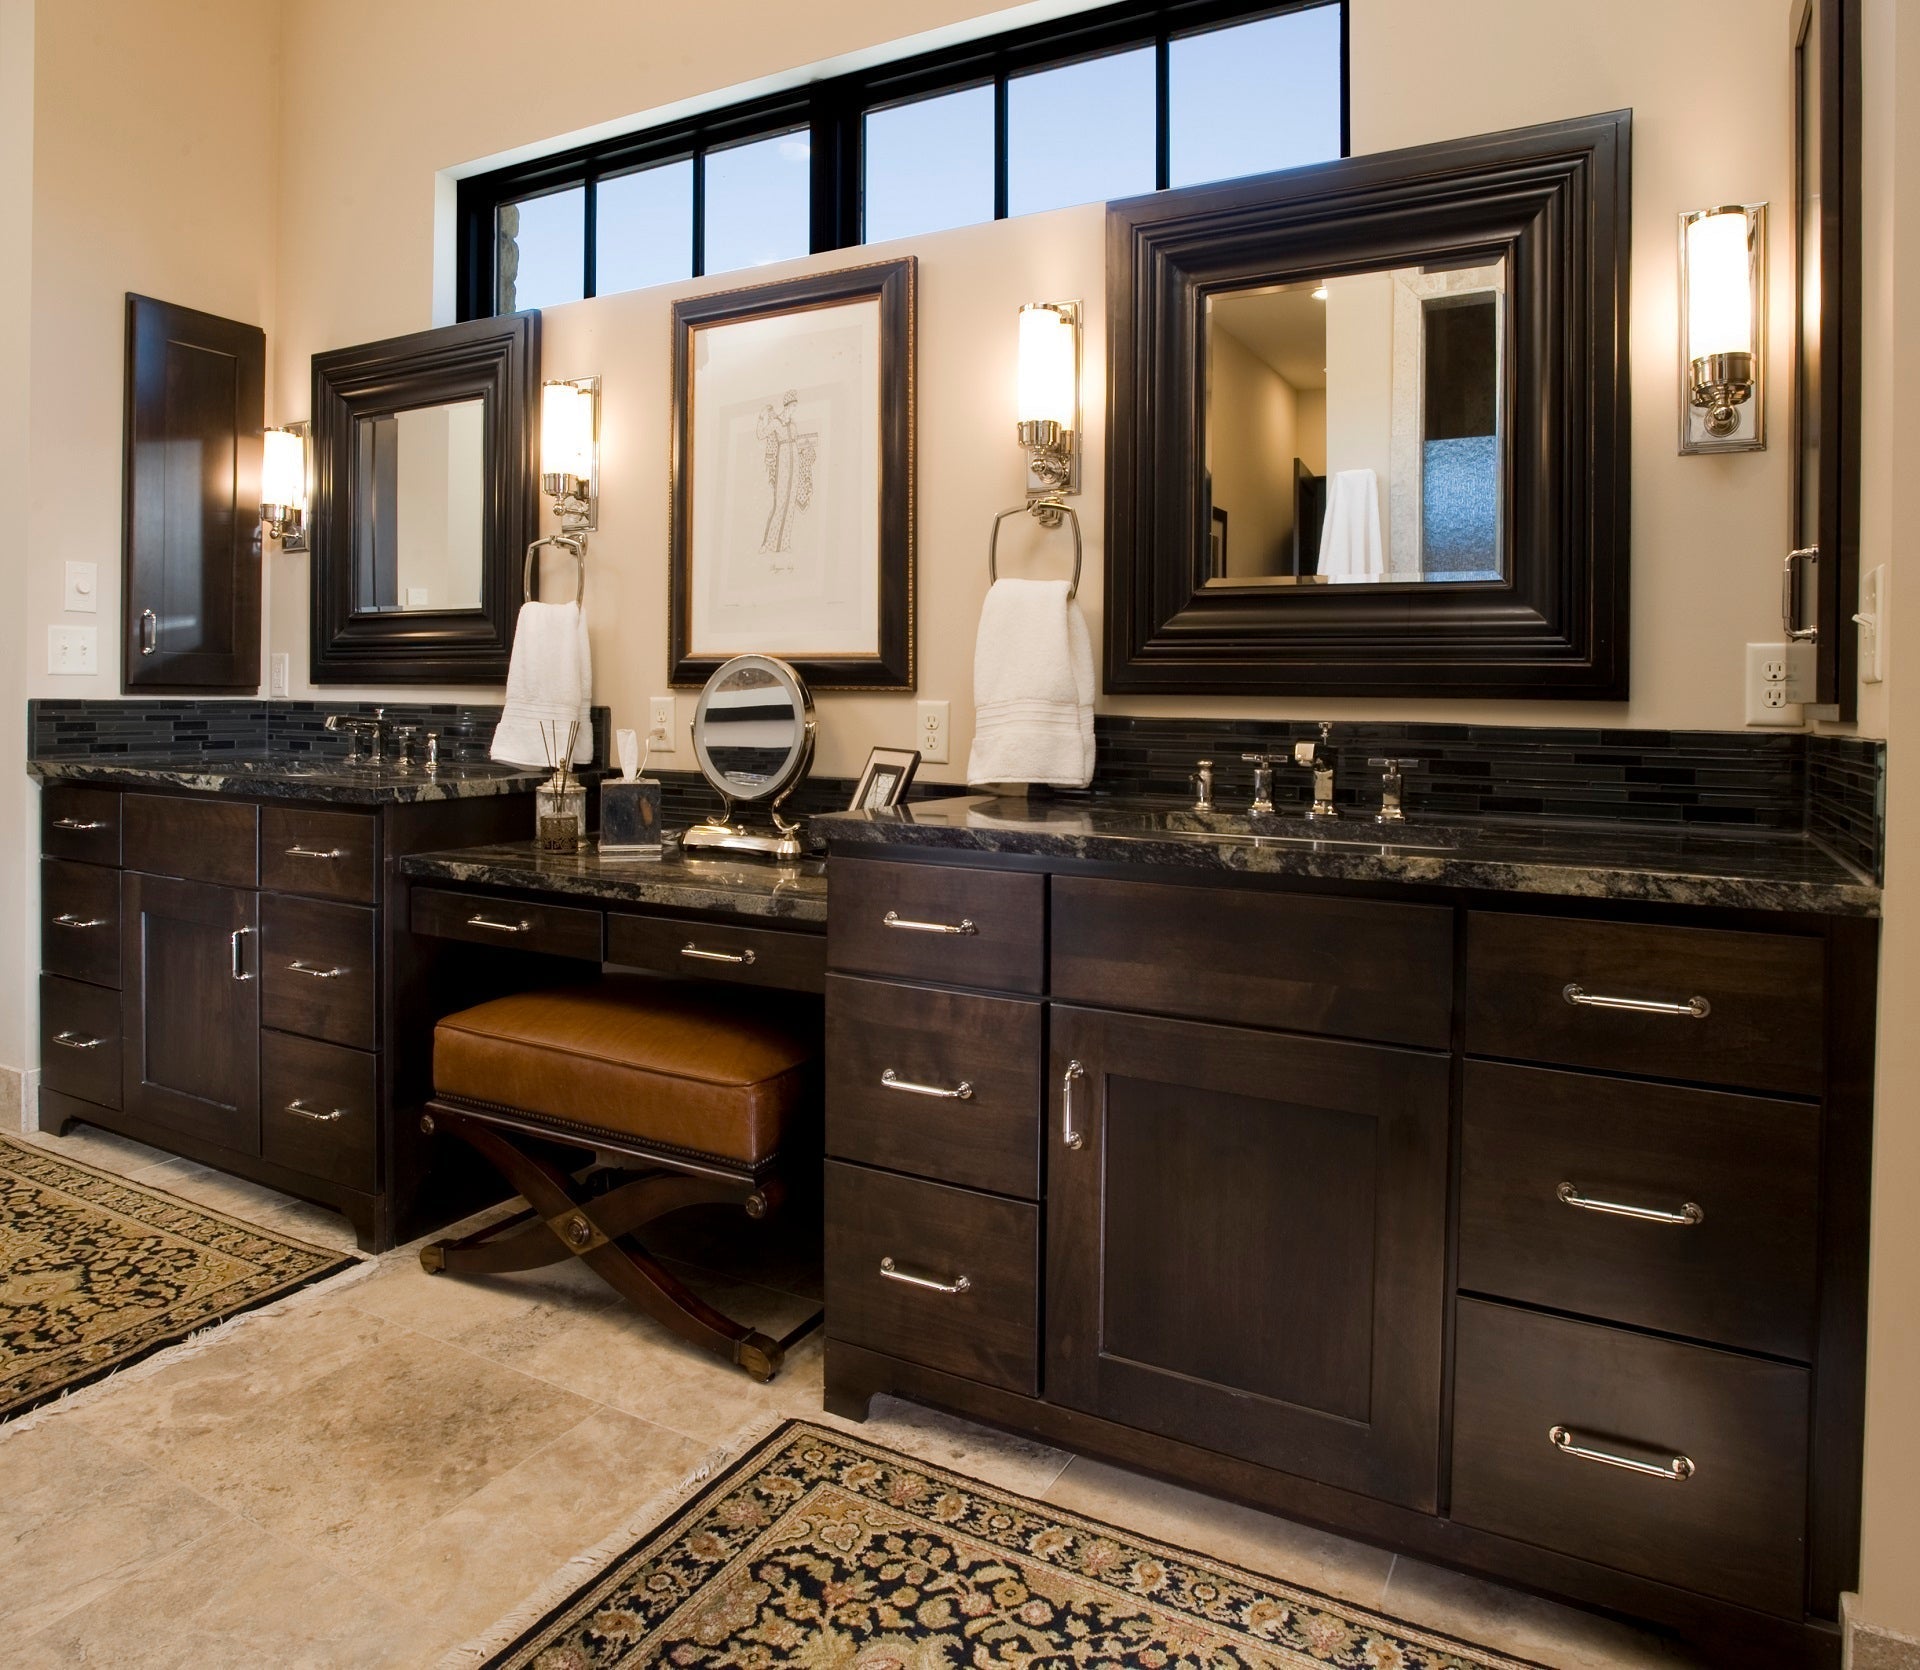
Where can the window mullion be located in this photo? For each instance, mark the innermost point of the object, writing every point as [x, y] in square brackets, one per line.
[699, 228]
[1162, 111]
[590, 221]
[1000, 161]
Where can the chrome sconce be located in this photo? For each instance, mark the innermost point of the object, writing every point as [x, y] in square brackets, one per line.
[283, 485]
[1049, 405]
[1723, 324]
[570, 454]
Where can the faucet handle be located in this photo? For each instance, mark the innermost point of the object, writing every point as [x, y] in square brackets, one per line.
[1393, 767]
[1259, 759]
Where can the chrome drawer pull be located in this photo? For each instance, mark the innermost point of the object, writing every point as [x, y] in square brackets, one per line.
[933, 1284]
[1676, 1471]
[66, 919]
[315, 852]
[77, 1040]
[299, 1107]
[1686, 1217]
[1073, 1075]
[80, 823]
[694, 951]
[239, 957]
[1695, 1008]
[520, 927]
[893, 919]
[961, 1092]
[298, 967]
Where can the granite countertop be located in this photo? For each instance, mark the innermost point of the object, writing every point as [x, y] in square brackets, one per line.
[1752, 872]
[306, 777]
[791, 892]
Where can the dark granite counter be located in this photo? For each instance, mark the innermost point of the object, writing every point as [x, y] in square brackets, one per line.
[307, 777]
[1757, 872]
[678, 881]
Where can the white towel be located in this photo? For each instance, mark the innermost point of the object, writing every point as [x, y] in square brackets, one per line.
[550, 683]
[1350, 537]
[1032, 688]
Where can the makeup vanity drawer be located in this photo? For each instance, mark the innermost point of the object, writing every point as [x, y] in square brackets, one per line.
[197, 840]
[558, 930]
[80, 1040]
[319, 1106]
[1349, 968]
[316, 970]
[1533, 1391]
[1705, 1004]
[698, 950]
[83, 823]
[80, 921]
[940, 1084]
[939, 922]
[326, 854]
[938, 1276]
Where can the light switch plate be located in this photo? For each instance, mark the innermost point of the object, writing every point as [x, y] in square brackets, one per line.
[73, 649]
[83, 588]
[660, 724]
[277, 673]
[931, 733]
[1872, 621]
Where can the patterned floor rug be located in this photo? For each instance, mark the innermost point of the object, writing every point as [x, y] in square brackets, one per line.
[820, 1549]
[97, 1272]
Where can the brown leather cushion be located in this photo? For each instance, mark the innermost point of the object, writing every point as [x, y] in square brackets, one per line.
[716, 1073]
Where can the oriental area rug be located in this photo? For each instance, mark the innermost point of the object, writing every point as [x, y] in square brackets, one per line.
[819, 1549]
[97, 1272]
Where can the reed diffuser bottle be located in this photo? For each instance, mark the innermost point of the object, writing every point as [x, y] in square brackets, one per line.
[560, 803]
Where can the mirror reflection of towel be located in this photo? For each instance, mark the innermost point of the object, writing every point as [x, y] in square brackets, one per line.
[1350, 546]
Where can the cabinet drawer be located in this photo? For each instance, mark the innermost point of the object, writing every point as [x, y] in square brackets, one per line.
[83, 823]
[939, 922]
[1350, 968]
[558, 930]
[934, 1275]
[1684, 1003]
[80, 921]
[942, 1084]
[704, 951]
[196, 840]
[1546, 1152]
[1525, 1384]
[80, 1040]
[319, 1109]
[327, 854]
[316, 969]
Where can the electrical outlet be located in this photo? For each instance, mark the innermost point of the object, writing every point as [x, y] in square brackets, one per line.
[83, 588]
[277, 673]
[73, 649]
[932, 733]
[1767, 687]
[660, 724]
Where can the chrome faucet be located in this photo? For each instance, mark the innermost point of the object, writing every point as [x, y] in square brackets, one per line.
[1202, 781]
[1317, 757]
[357, 726]
[1262, 781]
[1392, 788]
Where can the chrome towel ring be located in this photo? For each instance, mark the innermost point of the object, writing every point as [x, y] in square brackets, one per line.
[1048, 512]
[574, 548]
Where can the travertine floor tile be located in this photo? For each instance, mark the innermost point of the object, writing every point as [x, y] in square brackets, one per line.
[92, 1146]
[1000, 1458]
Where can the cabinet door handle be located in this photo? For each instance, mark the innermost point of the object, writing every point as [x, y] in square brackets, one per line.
[80, 823]
[66, 919]
[1695, 1008]
[1676, 1471]
[933, 1284]
[1790, 599]
[239, 956]
[961, 1092]
[149, 632]
[893, 919]
[77, 1040]
[1688, 1215]
[1072, 1076]
[315, 852]
[308, 969]
[296, 1106]
[520, 927]
[694, 951]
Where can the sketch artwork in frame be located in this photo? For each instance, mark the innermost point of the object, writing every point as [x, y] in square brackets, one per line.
[886, 779]
[792, 477]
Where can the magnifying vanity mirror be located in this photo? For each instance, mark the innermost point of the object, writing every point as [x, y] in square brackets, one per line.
[753, 732]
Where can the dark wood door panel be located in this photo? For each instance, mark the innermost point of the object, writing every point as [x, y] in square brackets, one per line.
[1734, 1526]
[1705, 1004]
[942, 923]
[80, 921]
[80, 822]
[196, 839]
[941, 1084]
[1545, 1152]
[1352, 968]
[781, 958]
[80, 1040]
[319, 1109]
[329, 855]
[317, 970]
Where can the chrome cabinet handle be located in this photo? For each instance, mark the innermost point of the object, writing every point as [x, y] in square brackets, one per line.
[80, 823]
[694, 951]
[66, 919]
[297, 1106]
[961, 1092]
[1072, 1076]
[893, 919]
[1676, 1471]
[520, 927]
[1695, 1008]
[933, 1284]
[1686, 1217]
[314, 852]
[239, 959]
[149, 632]
[298, 967]
[77, 1040]
[1789, 615]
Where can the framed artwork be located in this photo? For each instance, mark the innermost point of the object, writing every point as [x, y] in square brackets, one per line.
[792, 478]
[888, 776]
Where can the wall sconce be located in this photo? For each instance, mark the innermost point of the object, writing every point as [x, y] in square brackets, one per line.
[283, 485]
[1049, 404]
[570, 453]
[1723, 323]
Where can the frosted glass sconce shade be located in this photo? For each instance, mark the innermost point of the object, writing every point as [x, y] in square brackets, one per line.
[1722, 326]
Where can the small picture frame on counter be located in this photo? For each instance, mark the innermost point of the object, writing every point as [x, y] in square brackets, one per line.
[886, 779]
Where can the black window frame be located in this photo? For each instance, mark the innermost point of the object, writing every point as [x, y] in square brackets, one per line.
[833, 113]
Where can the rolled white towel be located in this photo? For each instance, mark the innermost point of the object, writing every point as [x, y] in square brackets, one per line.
[550, 684]
[1032, 688]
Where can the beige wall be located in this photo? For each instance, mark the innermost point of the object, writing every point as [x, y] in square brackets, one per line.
[1359, 409]
[1252, 440]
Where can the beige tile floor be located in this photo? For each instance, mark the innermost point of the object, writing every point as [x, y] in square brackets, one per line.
[375, 1473]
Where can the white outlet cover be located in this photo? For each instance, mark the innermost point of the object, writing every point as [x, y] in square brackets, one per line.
[73, 649]
[83, 588]
[931, 732]
[1766, 688]
[661, 721]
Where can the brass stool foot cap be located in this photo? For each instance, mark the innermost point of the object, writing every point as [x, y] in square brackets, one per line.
[433, 1258]
[759, 1356]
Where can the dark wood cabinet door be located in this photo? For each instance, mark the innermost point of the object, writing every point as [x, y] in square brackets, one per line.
[191, 965]
[1246, 1238]
[196, 403]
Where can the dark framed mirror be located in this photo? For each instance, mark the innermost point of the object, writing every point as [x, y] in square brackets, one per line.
[1822, 578]
[425, 496]
[1368, 425]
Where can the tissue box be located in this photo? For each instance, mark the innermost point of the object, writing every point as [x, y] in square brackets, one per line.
[630, 818]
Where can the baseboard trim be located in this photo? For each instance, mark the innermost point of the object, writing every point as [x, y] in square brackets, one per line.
[29, 1114]
[1869, 1647]
[13, 1098]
